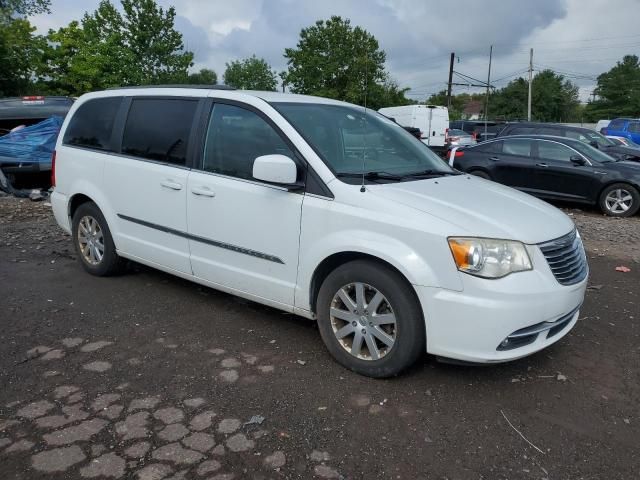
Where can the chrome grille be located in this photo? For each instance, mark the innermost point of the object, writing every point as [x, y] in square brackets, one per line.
[566, 258]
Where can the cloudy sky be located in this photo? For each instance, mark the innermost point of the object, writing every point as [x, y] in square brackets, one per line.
[578, 38]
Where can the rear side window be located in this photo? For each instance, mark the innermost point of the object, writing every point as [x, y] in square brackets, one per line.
[159, 128]
[489, 147]
[517, 146]
[92, 124]
[521, 131]
[551, 131]
[616, 125]
[235, 138]
[634, 127]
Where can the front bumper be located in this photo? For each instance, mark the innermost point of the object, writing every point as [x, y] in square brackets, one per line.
[471, 325]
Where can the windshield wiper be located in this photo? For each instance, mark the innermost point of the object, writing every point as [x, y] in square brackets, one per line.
[371, 175]
[429, 173]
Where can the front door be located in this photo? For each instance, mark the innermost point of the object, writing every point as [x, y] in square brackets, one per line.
[557, 176]
[244, 234]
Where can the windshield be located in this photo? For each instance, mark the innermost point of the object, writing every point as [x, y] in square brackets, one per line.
[592, 153]
[353, 140]
[600, 139]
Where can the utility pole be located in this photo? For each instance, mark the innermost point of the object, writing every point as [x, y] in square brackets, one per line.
[486, 102]
[453, 55]
[530, 81]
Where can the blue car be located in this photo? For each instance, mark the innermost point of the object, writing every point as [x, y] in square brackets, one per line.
[625, 127]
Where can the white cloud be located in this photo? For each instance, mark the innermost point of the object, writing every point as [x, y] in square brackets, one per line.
[581, 38]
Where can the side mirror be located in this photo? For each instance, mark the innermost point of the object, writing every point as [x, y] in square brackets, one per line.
[594, 144]
[577, 160]
[275, 168]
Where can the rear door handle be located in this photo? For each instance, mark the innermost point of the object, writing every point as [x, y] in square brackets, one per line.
[203, 192]
[542, 165]
[171, 184]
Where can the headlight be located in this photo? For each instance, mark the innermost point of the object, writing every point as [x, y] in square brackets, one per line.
[488, 257]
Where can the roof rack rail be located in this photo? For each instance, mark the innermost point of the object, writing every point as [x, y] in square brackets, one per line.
[208, 87]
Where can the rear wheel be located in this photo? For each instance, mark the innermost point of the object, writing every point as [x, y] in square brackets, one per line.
[370, 319]
[93, 242]
[619, 200]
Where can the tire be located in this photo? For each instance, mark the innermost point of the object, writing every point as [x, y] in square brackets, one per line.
[619, 200]
[398, 344]
[480, 174]
[89, 218]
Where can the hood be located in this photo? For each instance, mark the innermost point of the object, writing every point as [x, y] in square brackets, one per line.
[619, 150]
[480, 208]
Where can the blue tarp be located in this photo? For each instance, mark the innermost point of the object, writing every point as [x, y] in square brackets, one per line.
[33, 144]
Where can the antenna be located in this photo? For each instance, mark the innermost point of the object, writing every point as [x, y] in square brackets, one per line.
[364, 138]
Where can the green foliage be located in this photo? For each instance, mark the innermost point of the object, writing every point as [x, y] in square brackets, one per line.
[204, 77]
[20, 55]
[335, 60]
[250, 74]
[11, 8]
[618, 91]
[107, 49]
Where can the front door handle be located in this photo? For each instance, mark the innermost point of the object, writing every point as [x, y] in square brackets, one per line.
[171, 184]
[544, 165]
[494, 159]
[203, 192]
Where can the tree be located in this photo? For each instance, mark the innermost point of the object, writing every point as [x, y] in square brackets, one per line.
[250, 74]
[108, 48]
[553, 99]
[20, 49]
[618, 91]
[204, 77]
[333, 59]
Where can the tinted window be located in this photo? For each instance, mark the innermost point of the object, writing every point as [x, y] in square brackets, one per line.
[520, 131]
[554, 151]
[517, 146]
[616, 125]
[634, 127]
[577, 136]
[92, 123]
[159, 129]
[551, 131]
[235, 138]
[489, 147]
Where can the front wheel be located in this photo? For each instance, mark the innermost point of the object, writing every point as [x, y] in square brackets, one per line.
[619, 200]
[370, 319]
[480, 174]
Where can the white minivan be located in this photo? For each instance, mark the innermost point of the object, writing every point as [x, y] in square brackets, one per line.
[432, 120]
[319, 208]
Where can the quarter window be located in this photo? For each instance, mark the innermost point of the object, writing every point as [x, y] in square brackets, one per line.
[517, 146]
[92, 124]
[159, 129]
[235, 138]
[554, 151]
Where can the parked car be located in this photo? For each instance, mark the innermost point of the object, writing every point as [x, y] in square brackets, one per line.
[288, 200]
[432, 120]
[624, 141]
[459, 137]
[584, 135]
[601, 125]
[16, 112]
[556, 168]
[476, 128]
[624, 127]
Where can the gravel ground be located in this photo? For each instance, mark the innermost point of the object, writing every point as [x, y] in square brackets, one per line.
[147, 376]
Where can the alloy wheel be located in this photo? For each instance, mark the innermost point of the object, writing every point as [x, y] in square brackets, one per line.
[90, 240]
[363, 321]
[618, 200]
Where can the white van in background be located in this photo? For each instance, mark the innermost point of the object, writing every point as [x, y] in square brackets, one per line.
[432, 120]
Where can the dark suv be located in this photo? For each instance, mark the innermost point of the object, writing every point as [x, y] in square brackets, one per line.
[585, 135]
[476, 128]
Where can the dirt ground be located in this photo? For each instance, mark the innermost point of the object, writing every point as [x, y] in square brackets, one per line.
[147, 376]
